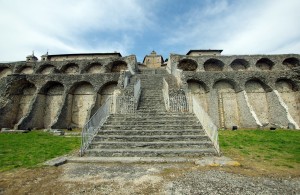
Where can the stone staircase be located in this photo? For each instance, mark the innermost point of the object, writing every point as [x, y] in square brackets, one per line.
[151, 131]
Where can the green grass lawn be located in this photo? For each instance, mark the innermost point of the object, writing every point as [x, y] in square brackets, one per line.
[268, 150]
[30, 149]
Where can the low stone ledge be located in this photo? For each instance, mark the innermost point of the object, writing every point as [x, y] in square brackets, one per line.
[217, 162]
[6, 130]
[56, 161]
[58, 132]
[126, 160]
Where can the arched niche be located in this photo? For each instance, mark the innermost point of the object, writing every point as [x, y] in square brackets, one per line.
[239, 64]
[199, 90]
[4, 71]
[264, 64]
[290, 94]
[227, 104]
[107, 91]
[94, 68]
[46, 69]
[81, 99]
[187, 65]
[118, 66]
[23, 100]
[70, 68]
[213, 65]
[256, 92]
[52, 94]
[26, 70]
[291, 62]
[21, 94]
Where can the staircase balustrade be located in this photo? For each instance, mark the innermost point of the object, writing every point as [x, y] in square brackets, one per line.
[166, 94]
[175, 100]
[127, 76]
[129, 104]
[137, 93]
[91, 128]
[210, 128]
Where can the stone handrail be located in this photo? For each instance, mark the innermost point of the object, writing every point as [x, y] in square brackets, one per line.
[166, 94]
[210, 128]
[91, 128]
[137, 92]
[178, 101]
[125, 104]
[127, 76]
[175, 100]
[129, 103]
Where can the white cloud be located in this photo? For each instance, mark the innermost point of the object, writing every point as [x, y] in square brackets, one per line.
[62, 26]
[272, 28]
[241, 27]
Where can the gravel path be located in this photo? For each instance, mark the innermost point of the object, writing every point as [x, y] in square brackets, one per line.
[175, 179]
[219, 182]
[131, 178]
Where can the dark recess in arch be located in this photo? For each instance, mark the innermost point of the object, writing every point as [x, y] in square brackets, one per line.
[187, 65]
[213, 65]
[291, 62]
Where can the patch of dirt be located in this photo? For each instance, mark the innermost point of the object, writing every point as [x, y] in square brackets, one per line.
[114, 178]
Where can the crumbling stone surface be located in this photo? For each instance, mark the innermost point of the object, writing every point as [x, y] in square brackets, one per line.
[261, 89]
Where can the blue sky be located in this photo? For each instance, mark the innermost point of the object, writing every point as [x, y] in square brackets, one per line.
[140, 26]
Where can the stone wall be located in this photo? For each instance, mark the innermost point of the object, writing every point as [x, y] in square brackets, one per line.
[247, 91]
[57, 94]
[242, 90]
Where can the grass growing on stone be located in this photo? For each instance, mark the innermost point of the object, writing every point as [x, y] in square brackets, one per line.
[30, 149]
[263, 149]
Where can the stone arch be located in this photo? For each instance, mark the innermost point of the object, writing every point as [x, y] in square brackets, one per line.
[107, 90]
[213, 65]
[23, 100]
[4, 71]
[239, 64]
[26, 70]
[291, 62]
[94, 68]
[118, 66]
[81, 99]
[46, 69]
[289, 93]
[187, 65]
[199, 90]
[264, 64]
[21, 94]
[227, 103]
[257, 97]
[70, 68]
[52, 96]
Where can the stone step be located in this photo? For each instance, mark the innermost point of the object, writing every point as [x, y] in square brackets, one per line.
[154, 115]
[126, 160]
[150, 100]
[149, 112]
[150, 132]
[152, 109]
[151, 138]
[150, 97]
[155, 105]
[126, 145]
[152, 123]
[187, 152]
[150, 127]
[154, 119]
[152, 104]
